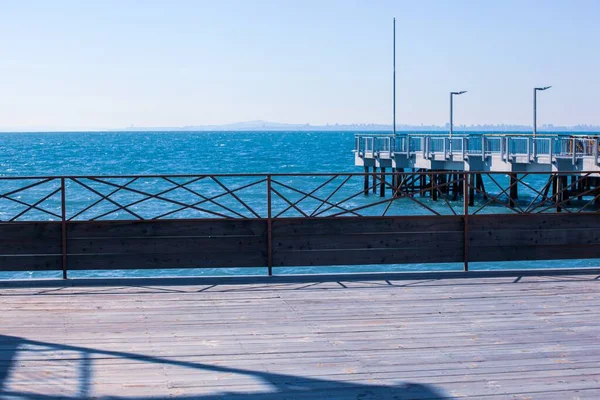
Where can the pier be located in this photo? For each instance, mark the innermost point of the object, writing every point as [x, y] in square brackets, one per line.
[518, 153]
[572, 161]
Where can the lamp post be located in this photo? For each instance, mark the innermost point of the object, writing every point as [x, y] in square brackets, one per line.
[452, 94]
[535, 90]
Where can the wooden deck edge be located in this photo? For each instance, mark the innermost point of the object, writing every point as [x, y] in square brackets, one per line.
[308, 278]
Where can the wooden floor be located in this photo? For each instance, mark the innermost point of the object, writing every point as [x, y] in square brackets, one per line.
[490, 338]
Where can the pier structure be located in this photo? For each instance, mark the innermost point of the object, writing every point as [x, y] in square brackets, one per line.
[443, 155]
[517, 153]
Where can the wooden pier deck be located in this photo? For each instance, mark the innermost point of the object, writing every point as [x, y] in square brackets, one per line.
[487, 338]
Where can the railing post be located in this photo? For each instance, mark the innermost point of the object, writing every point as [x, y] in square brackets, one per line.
[466, 184]
[482, 147]
[529, 149]
[446, 148]
[574, 151]
[269, 229]
[595, 151]
[63, 223]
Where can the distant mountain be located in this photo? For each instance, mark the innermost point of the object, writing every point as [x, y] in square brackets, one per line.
[259, 125]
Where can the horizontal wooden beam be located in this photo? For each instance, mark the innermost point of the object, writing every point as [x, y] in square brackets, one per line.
[300, 242]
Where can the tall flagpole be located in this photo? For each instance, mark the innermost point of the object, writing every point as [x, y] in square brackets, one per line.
[394, 76]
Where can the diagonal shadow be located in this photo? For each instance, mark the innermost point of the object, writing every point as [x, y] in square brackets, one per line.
[282, 386]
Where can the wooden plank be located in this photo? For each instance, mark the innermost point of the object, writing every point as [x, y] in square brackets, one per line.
[534, 237]
[534, 221]
[391, 240]
[183, 245]
[30, 246]
[30, 238]
[30, 263]
[537, 252]
[29, 230]
[367, 256]
[336, 226]
[191, 228]
[356, 241]
[519, 238]
[207, 259]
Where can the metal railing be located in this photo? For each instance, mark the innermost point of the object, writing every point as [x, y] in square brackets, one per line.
[508, 147]
[59, 223]
[238, 196]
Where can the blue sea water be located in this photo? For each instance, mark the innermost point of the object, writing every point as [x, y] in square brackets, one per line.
[136, 153]
[81, 153]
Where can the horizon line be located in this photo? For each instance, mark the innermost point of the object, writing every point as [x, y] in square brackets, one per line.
[259, 125]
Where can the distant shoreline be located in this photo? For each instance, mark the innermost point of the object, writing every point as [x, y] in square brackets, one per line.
[581, 130]
[268, 126]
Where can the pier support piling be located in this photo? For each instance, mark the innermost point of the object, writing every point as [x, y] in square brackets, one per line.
[444, 183]
[366, 180]
[455, 178]
[556, 195]
[434, 190]
[566, 190]
[471, 178]
[382, 183]
[513, 191]
[374, 180]
[480, 185]
[399, 182]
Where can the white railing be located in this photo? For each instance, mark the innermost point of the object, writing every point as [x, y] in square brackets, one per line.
[509, 147]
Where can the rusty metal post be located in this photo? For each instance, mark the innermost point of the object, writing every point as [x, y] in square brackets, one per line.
[63, 223]
[269, 229]
[466, 191]
[366, 183]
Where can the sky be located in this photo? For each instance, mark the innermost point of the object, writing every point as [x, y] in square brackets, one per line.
[115, 63]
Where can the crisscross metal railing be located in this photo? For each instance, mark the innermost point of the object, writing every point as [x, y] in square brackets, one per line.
[264, 200]
[322, 195]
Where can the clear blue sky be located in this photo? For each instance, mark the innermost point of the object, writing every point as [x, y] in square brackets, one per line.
[110, 64]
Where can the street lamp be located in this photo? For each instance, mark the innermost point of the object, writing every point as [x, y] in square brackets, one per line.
[535, 90]
[451, 109]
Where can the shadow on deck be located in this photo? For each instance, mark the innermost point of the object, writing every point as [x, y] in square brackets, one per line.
[281, 386]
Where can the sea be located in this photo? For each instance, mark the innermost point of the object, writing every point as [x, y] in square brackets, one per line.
[169, 153]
